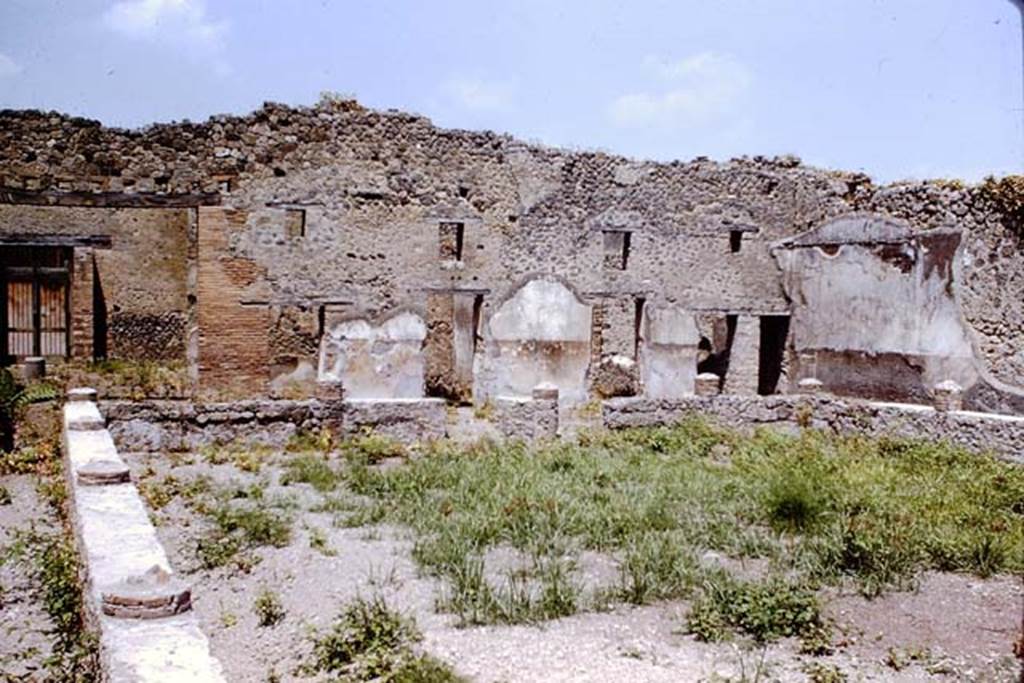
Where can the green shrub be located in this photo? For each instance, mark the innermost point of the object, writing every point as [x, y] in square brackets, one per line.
[765, 610]
[240, 527]
[370, 642]
[372, 448]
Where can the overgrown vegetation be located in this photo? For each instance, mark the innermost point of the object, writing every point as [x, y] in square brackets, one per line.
[52, 562]
[248, 457]
[242, 521]
[13, 399]
[371, 642]
[1007, 195]
[815, 508]
[120, 378]
[764, 610]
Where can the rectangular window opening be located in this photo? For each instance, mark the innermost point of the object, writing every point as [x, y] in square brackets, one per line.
[451, 236]
[295, 223]
[616, 249]
[735, 240]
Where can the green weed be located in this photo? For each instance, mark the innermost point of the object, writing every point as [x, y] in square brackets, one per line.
[268, 608]
[370, 642]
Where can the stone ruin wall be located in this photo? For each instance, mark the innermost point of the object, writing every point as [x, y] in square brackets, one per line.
[305, 220]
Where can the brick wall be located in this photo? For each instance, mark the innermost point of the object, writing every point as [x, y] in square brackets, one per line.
[81, 294]
[234, 354]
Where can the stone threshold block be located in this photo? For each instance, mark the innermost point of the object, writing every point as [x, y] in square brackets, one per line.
[409, 420]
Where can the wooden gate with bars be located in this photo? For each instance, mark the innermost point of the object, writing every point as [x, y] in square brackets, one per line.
[36, 317]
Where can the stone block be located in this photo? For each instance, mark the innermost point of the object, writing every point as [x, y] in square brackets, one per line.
[707, 384]
[82, 394]
[948, 396]
[405, 420]
[82, 416]
[528, 418]
[810, 385]
[34, 368]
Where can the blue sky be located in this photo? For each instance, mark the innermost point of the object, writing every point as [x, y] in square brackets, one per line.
[895, 88]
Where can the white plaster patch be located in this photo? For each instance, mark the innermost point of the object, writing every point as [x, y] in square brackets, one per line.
[376, 361]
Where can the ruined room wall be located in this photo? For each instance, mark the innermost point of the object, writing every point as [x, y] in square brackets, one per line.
[375, 361]
[143, 275]
[540, 334]
[991, 284]
[375, 186]
[668, 352]
[877, 318]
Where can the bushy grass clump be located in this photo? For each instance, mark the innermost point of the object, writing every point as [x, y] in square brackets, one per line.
[819, 508]
[371, 642]
[240, 526]
[312, 469]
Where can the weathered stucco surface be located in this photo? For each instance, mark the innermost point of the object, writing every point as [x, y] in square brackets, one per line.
[339, 212]
[375, 361]
[541, 334]
[875, 310]
[668, 352]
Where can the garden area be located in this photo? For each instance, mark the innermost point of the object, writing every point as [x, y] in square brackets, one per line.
[690, 552]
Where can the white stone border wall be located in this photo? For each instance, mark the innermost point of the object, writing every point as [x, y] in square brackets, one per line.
[126, 568]
[1002, 435]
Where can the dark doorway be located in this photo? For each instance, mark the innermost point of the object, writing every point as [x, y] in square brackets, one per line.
[718, 349]
[774, 332]
[35, 317]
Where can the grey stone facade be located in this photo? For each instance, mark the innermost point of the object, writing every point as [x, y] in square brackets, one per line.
[309, 229]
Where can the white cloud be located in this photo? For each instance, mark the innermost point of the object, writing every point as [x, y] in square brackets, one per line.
[696, 90]
[183, 24]
[477, 94]
[8, 67]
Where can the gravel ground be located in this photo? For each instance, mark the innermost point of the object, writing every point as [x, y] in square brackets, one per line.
[953, 628]
[23, 622]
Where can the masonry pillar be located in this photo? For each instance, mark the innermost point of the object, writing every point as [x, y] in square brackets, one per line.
[234, 349]
[453, 319]
[744, 356]
[81, 296]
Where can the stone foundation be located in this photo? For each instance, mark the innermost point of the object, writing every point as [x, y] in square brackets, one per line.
[406, 420]
[184, 426]
[980, 432]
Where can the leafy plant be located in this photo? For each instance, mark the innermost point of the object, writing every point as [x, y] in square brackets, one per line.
[268, 608]
[13, 397]
[764, 610]
[370, 642]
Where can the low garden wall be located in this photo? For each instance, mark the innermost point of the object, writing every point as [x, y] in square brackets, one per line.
[141, 609]
[1000, 434]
